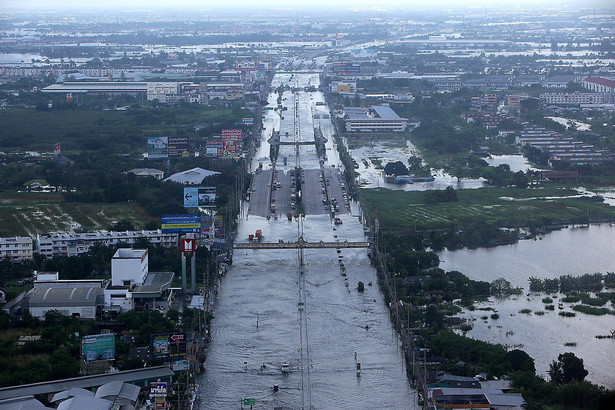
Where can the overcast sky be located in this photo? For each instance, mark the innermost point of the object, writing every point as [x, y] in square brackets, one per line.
[214, 4]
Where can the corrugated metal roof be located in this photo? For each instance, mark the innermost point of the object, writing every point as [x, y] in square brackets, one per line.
[150, 373]
[65, 296]
[386, 113]
[83, 402]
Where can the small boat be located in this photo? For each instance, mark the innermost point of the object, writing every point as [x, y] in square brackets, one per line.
[285, 366]
[337, 221]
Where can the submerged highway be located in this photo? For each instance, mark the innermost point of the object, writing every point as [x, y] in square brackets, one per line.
[294, 317]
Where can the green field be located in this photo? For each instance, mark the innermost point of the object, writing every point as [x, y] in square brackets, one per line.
[83, 129]
[32, 213]
[504, 207]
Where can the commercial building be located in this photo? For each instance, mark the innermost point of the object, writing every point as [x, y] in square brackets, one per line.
[162, 91]
[378, 118]
[132, 286]
[80, 298]
[147, 172]
[17, 248]
[70, 244]
[560, 81]
[599, 84]
[97, 88]
[576, 98]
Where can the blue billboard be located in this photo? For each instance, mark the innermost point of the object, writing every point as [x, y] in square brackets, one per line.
[200, 197]
[181, 223]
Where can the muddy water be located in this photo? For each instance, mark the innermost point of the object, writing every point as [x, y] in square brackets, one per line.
[258, 323]
[572, 251]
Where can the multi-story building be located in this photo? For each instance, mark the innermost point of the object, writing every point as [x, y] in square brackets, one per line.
[161, 91]
[379, 118]
[573, 98]
[17, 248]
[599, 84]
[71, 244]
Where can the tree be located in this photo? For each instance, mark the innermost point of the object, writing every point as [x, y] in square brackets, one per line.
[395, 168]
[520, 361]
[567, 368]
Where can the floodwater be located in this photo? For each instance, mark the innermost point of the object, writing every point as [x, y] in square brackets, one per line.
[259, 322]
[571, 251]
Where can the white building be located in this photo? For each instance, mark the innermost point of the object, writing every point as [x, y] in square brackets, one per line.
[132, 286]
[80, 298]
[573, 98]
[70, 244]
[599, 84]
[147, 172]
[162, 91]
[380, 118]
[17, 248]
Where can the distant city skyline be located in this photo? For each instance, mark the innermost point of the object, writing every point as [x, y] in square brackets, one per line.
[296, 4]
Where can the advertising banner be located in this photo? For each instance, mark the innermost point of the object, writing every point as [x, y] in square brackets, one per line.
[181, 223]
[179, 147]
[157, 147]
[200, 197]
[231, 143]
[247, 121]
[169, 345]
[98, 347]
[214, 148]
[158, 389]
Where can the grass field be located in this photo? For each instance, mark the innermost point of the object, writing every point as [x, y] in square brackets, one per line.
[400, 210]
[90, 129]
[32, 213]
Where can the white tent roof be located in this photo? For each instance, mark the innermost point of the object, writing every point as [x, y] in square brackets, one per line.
[192, 176]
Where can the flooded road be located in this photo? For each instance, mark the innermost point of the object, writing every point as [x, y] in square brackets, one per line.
[271, 310]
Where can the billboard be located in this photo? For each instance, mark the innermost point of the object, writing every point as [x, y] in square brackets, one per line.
[231, 143]
[247, 121]
[169, 345]
[158, 389]
[214, 148]
[181, 223]
[179, 147]
[200, 197]
[157, 147]
[98, 347]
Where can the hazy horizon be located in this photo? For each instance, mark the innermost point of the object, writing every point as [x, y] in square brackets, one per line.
[120, 5]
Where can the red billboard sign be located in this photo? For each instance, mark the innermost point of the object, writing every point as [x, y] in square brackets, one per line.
[188, 245]
[231, 142]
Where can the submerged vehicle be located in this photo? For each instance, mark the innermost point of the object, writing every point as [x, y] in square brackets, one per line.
[285, 366]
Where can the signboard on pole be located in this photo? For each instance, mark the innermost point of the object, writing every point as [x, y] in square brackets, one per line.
[179, 147]
[231, 143]
[98, 347]
[249, 402]
[157, 147]
[161, 403]
[158, 389]
[188, 245]
[160, 346]
[247, 121]
[180, 365]
[200, 197]
[169, 345]
[181, 223]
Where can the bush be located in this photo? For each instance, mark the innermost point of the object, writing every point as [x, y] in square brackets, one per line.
[547, 300]
[495, 316]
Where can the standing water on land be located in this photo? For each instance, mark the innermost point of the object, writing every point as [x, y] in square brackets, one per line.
[572, 251]
[269, 312]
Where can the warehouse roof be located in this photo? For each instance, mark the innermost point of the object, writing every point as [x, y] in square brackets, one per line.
[64, 296]
[386, 113]
[192, 176]
[84, 87]
[149, 373]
